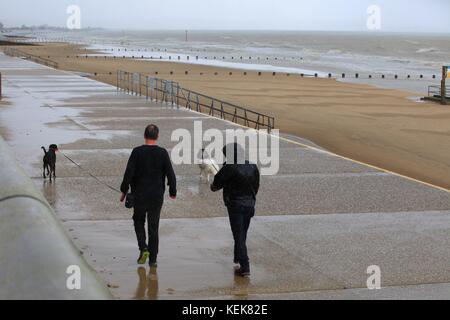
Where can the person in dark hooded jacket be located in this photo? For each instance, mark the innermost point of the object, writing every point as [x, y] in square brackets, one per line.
[239, 180]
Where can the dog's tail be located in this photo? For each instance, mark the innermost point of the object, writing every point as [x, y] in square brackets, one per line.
[45, 151]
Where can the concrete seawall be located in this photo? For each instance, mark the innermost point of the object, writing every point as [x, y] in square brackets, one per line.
[35, 252]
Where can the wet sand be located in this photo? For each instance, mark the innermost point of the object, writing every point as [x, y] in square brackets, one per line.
[381, 127]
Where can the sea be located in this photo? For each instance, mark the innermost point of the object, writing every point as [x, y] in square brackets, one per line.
[405, 61]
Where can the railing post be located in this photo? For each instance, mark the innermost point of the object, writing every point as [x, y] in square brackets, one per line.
[163, 92]
[140, 86]
[157, 89]
[167, 91]
[188, 99]
[168, 84]
[164, 87]
[152, 85]
[117, 80]
[146, 87]
[128, 82]
[178, 96]
[211, 110]
[169, 88]
[443, 85]
[171, 93]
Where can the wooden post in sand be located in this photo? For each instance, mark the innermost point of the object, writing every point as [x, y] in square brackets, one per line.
[0, 85]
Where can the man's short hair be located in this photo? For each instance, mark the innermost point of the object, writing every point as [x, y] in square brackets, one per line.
[151, 132]
[234, 153]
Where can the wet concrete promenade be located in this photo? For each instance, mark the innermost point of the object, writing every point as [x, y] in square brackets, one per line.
[321, 221]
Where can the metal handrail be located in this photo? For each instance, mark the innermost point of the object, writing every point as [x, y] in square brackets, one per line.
[171, 92]
[435, 91]
[18, 53]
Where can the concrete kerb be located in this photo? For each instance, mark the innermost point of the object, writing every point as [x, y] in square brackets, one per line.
[37, 258]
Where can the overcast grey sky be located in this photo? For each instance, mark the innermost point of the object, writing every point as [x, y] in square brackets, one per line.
[397, 15]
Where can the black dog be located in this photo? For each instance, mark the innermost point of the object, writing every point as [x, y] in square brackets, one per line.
[50, 161]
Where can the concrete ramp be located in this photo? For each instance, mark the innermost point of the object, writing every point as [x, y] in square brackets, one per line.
[321, 221]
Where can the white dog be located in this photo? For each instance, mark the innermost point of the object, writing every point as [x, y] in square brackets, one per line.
[208, 167]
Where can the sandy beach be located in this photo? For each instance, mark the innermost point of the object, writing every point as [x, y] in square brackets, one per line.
[381, 127]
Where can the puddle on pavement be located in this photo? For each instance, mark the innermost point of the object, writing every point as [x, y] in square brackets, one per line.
[148, 284]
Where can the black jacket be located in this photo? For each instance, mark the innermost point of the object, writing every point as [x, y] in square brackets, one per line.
[146, 173]
[240, 184]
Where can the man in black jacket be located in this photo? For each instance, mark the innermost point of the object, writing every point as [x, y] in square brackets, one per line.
[239, 180]
[146, 173]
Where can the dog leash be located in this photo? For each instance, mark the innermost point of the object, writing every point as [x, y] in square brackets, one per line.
[90, 174]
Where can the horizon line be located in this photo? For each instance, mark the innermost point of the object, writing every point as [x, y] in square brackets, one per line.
[88, 28]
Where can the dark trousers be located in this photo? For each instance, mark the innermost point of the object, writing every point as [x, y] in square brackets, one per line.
[240, 222]
[152, 214]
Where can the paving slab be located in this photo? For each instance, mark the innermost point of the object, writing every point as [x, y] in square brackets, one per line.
[310, 257]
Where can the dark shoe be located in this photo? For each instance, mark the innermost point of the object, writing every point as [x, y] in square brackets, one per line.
[143, 256]
[242, 272]
[152, 262]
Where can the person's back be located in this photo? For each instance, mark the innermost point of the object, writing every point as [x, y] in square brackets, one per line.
[147, 169]
[240, 183]
[152, 166]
